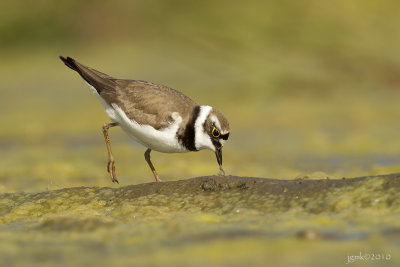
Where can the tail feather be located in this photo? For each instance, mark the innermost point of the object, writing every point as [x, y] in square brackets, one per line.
[70, 62]
[100, 81]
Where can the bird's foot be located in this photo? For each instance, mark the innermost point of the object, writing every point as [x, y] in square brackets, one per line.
[156, 176]
[111, 171]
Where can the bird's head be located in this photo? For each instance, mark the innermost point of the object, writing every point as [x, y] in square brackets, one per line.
[211, 131]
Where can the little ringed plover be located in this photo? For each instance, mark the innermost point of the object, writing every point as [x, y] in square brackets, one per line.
[156, 116]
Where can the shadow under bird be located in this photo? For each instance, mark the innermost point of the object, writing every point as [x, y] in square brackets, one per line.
[156, 116]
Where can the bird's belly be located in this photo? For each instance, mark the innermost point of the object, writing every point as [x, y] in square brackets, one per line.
[163, 140]
[156, 140]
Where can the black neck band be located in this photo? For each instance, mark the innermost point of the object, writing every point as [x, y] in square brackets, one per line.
[188, 138]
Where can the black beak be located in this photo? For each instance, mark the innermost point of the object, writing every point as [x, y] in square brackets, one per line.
[218, 153]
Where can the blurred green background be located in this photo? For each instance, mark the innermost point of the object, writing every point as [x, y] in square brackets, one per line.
[310, 87]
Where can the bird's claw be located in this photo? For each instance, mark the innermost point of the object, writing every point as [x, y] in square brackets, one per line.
[111, 171]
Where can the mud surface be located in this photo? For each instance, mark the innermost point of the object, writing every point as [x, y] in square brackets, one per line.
[227, 220]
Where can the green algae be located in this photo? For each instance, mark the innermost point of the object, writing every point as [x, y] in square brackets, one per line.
[210, 216]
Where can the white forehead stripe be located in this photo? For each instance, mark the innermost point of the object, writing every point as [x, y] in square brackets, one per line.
[215, 120]
[202, 139]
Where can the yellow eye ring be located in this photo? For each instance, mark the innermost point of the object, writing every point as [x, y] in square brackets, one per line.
[215, 132]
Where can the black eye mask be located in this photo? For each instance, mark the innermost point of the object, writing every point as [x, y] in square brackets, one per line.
[224, 136]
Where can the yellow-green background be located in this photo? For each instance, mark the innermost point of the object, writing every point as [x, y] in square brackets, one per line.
[310, 88]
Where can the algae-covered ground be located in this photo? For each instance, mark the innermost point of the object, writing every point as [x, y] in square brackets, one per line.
[310, 89]
[223, 220]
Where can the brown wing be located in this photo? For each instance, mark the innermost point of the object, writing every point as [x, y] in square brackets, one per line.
[143, 102]
[149, 103]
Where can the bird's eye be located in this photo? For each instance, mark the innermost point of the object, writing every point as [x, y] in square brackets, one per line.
[215, 132]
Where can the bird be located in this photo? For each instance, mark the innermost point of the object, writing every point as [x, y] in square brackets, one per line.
[156, 116]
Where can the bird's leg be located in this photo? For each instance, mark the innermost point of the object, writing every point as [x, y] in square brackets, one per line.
[147, 158]
[111, 162]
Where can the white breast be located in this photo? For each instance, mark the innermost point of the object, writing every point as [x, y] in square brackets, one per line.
[164, 140]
